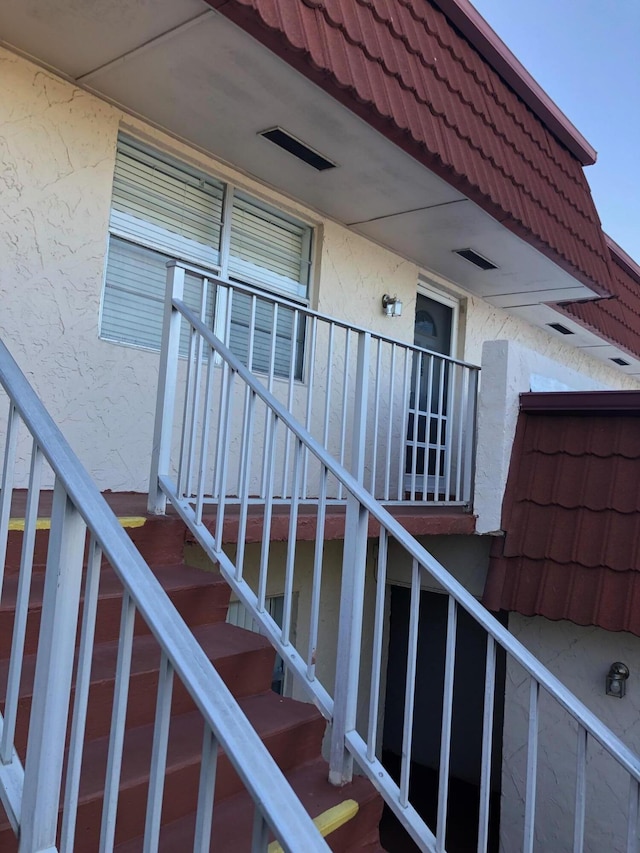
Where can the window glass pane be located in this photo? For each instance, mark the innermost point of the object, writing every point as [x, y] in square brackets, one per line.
[268, 249]
[133, 303]
[163, 211]
[155, 192]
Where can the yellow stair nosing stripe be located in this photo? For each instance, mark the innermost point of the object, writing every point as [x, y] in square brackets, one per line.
[128, 521]
[328, 821]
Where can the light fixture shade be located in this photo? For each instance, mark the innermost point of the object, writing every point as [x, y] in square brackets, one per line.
[616, 682]
[391, 306]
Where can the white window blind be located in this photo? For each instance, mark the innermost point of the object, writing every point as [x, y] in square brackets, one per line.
[161, 210]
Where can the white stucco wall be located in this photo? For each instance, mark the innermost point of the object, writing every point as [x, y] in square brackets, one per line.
[580, 657]
[57, 154]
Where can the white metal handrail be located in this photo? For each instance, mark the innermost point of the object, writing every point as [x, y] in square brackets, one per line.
[351, 737]
[31, 796]
[420, 405]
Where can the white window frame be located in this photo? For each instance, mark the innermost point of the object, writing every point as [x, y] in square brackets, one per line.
[216, 261]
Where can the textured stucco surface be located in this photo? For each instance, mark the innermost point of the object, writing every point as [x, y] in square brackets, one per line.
[58, 150]
[57, 154]
[580, 657]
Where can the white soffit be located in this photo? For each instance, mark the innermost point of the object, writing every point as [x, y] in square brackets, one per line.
[189, 70]
[582, 338]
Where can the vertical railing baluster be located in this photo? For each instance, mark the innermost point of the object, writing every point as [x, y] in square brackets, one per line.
[224, 457]
[470, 435]
[445, 732]
[391, 435]
[197, 390]
[418, 366]
[376, 419]
[206, 792]
[287, 438]
[316, 589]
[581, 790]
[245, 461]
[354, 560]
[83, 680]
[260, 836]
[220, 476]
[406, 385]
[377, 645]
[268, 424]
[439, 429]
[206, 434]
[12, 694]
[328, 388]
[6, 485]
[270, 452]
[291, 544]
[410, 684]
[632, 823]
[243, 493]
[158, 756]
[166, 396]
[118, 719]
[54, 668]
[532, 769]
[188, 417]
[310, 386]
[460, 426]
[427, 430]
[345, 396]
[487, 745]
[448, 426]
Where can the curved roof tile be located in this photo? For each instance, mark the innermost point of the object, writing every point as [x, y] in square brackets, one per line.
[571, 512]
[617, 319]
[403, 66]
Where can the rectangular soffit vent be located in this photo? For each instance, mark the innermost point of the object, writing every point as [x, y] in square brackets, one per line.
[558, 327]
[620, 361]
[476, 259]
[298, 148]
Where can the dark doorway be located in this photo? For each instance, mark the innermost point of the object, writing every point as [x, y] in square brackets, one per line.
[466, 737]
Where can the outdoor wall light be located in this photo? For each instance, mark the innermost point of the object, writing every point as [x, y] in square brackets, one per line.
[391, 306]
[616, 679]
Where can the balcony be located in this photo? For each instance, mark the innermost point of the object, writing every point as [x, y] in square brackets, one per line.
[400, 418]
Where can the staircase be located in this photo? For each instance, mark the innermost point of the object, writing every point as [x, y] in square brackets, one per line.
[292, 731]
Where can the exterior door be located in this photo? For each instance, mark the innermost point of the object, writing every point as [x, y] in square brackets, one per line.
[427, 428]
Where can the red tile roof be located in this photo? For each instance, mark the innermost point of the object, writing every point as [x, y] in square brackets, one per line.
[571, 512]
[408, 71]
[617, 319]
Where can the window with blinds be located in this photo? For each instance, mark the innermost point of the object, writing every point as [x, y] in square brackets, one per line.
[162, 210]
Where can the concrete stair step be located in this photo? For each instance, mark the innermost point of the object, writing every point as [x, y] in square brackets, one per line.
[292, 731]
[233, 816]
[199, 597]
[243, 659]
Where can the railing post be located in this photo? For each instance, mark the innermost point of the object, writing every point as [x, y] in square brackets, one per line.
[52, 684]
[167, 375]
[354, 561]
[470, 436]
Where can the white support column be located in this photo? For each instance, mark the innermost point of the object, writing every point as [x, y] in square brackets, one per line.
[52, 685]
[165, 401]
[354, 561]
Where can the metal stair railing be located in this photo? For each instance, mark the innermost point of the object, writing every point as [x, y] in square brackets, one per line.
[354, 702]
[33, 795]
[420, 410]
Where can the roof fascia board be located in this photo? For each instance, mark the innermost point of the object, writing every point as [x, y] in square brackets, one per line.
[623, 260]
[596, 402]
[474, 27]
